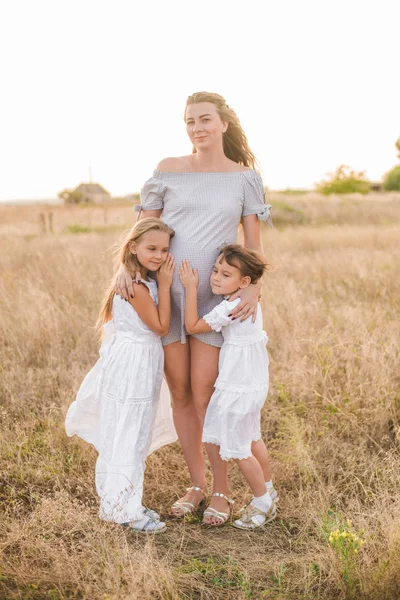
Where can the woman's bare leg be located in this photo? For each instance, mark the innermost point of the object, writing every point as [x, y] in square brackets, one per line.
[203, 373]
[187, 423]
[260, 452]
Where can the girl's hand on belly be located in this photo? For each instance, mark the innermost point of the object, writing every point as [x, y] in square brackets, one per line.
[249, 301]
[189, 277]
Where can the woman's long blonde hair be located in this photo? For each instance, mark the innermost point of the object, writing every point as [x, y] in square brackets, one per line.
[236, 146]
[129, 260]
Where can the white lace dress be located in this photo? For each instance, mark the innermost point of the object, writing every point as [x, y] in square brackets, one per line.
[233, 414]
[120, 411]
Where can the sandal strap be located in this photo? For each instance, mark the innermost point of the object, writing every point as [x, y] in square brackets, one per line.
[184, 506]
[196, 488]
[149, 525]
[212, 512]
[219, 495]
[250, 511]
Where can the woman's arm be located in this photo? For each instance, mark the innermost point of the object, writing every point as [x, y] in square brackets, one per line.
[190, 281]
[250, 295]
[252, 233]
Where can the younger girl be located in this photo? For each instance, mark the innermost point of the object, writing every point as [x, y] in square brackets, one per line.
[118, 408]
[232, 420]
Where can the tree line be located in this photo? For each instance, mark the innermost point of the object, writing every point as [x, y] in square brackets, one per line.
[345, 180]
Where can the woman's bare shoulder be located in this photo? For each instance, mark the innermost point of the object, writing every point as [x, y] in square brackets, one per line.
[174, 164]
[234, 166]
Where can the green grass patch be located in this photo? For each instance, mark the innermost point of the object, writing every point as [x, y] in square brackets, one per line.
[222, 573]
[76, 228]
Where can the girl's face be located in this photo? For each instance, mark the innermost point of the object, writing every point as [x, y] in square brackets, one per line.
[226, 279]
[151, 250]
[204, 126]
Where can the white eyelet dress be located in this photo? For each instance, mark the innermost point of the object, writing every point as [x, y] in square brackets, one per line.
[205, 210]
[120, 411]
[233, 415]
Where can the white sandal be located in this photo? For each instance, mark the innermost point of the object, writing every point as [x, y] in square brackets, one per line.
[248, 523]
[216, 514]
[150, 527]
[186, 507]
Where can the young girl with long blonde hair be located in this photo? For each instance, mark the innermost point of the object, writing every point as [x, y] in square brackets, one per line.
[118, 407]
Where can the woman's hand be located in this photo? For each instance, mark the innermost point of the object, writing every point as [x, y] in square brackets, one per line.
[248, 306]
[189, 277]
[165, 273]
[124, 282]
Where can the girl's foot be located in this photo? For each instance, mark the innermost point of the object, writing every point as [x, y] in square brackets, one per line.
[257, 514]
[147, 524]
[151, 513]
[189, 503]
[218, 511]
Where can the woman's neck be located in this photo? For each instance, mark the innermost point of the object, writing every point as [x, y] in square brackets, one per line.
[213, 159]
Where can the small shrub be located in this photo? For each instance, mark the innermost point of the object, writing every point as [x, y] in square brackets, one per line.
[345, 181]
[391, 181]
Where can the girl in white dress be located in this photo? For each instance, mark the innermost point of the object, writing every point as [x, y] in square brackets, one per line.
[118, 408]
[232, 419]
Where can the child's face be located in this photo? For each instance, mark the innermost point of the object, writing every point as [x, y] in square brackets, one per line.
[226, 279]
[151, 250]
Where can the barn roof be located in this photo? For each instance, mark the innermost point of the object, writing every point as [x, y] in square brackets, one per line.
[91, 188]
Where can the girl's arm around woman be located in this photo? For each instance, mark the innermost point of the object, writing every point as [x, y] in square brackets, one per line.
[156, 318]
[190, 281]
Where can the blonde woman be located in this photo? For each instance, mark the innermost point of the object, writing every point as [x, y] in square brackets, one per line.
[204, 197]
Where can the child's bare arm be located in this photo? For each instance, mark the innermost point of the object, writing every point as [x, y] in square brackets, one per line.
[190, 281]
[157, 319]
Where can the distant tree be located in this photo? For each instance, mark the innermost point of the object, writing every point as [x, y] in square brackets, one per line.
[70, 196]
[391, 181]
[64, 194]
[344, 181]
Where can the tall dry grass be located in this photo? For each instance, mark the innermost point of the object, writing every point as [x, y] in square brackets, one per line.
[331, 420]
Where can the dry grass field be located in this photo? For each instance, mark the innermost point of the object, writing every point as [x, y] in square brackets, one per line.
[331, 421]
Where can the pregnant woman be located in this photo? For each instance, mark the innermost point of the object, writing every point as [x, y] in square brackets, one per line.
[203, 197]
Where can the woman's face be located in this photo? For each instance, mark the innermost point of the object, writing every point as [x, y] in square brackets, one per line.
[204, 126]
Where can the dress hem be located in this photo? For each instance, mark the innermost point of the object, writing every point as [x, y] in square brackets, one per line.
[245, 390]
[229, 455]
[178, 339]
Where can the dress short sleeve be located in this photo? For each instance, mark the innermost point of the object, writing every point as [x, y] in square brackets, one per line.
[152, 193]
[254, 198]
[218, 317]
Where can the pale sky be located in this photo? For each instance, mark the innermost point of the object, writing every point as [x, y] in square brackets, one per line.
[315, 84]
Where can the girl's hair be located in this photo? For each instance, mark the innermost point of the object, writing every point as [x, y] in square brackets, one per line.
[129, 260]
[250, 263]
[236, 146]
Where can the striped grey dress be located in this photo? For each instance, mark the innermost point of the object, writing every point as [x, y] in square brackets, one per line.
[205, 210]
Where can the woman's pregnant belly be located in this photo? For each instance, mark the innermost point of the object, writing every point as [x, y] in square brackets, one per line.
[203, 261]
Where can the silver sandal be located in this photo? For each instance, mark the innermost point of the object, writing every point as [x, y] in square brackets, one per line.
[188, 508]
[212, 512]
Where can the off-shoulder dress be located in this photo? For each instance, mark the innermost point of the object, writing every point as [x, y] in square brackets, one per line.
[204, 209]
